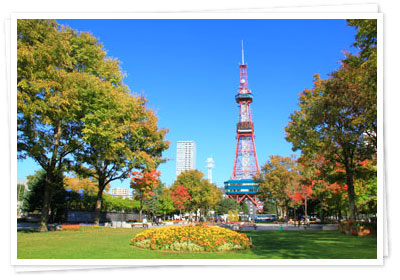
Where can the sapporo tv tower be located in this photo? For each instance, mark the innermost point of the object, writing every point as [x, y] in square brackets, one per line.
[241, 186]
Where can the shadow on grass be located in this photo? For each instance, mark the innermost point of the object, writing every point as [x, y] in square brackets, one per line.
[28, 230]
[312, 245]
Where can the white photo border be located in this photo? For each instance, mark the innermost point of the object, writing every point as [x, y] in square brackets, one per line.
[205, 16]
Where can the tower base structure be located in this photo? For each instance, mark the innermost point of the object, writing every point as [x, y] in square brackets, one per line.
[243, 190]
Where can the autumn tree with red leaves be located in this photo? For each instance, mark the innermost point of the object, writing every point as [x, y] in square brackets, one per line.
[179, 197]
[143, 183]
[324, 183]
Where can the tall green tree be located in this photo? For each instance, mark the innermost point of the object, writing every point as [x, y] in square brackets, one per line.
[120, 134]
[337, 118]
[53, 62]
[72, 104]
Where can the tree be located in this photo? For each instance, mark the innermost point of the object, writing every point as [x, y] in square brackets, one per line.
[332, 124]
[244, 208]
[143, 183]
[326, 182]
[366, 37]
[57, 69]
[337, 118]
[72, 101]
[278, 177]
[210, 197]
[166, 202]
[120, 134]
[45, 73]
[226, 205]
[34, 197]
[204, 195]
[179, 197]
[192, 181]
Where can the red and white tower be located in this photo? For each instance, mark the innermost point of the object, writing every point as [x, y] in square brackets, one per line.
[241, 185]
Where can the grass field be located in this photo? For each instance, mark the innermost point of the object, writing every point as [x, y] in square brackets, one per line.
[108, 243]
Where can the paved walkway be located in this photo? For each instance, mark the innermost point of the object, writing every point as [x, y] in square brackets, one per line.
[264, 227]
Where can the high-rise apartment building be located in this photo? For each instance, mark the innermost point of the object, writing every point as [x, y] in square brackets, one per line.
[185, 156]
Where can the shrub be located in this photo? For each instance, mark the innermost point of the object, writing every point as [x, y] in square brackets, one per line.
[191, 239]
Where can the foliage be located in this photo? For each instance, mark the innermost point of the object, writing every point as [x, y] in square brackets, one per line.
[179, 197]
[63, 200]
[226, 205]
[143, 184]
[230, 216]
[191, 238]
[204, 195]
[73, 105]
[235, 216]
[47, 102]
[244, 208]
[366, 38]
[322, 185]
[166, 202]
[78, 183]
[118, 204]
[33, 200]
[279, 178]
[120, 135]
[337, 118]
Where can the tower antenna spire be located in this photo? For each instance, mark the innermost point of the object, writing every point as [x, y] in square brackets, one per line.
[242, 54]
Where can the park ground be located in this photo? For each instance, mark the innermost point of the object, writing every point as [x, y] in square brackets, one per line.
[109, 243]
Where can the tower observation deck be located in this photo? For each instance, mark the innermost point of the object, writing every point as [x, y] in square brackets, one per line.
[241, 186]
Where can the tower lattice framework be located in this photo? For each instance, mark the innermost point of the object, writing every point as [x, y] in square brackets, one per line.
[241, 185]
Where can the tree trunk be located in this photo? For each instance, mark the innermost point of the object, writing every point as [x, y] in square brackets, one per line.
[350, 193]
[46, 204]
[141, 209]
[322, 214]
[339, 211]
[98, 206]
[49, 180]
[305, 209]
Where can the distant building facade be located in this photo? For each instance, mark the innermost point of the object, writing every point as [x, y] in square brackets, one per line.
[121, 192]
[185, 156]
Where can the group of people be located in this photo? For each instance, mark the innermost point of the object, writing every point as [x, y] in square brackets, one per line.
[154, 222]
[300, 221]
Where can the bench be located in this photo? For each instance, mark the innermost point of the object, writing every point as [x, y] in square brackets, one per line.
[146, 225]
[248, 225]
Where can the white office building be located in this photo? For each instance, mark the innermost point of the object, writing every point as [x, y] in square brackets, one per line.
[121, 192]
[185, 156]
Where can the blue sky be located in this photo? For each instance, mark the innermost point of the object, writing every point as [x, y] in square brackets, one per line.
[189, 72]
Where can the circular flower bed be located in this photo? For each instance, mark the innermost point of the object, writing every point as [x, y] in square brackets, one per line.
[192, 239]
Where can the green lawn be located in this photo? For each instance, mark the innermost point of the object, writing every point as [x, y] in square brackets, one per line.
[108, 243]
